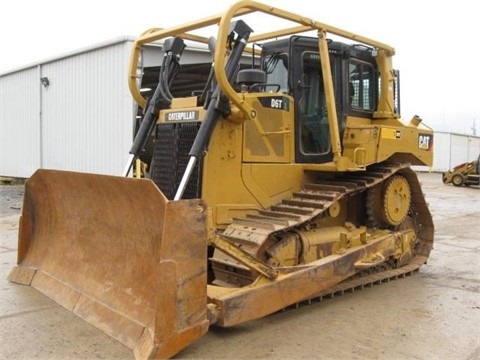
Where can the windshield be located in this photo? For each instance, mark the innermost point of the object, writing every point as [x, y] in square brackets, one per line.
[276, 67]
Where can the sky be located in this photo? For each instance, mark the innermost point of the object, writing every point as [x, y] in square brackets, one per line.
[436, 49]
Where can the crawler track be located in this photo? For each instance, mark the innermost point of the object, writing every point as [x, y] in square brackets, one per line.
[315, 199]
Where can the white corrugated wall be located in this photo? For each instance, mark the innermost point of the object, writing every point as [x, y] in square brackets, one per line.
[19, 123]
[452, 149]
[441, 151]
[473, 148]
[81, 121]
[88, 112]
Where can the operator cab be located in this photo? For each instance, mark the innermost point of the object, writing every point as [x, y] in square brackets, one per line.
[294, 64]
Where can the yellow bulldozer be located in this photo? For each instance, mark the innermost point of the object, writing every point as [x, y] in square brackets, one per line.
[286, 176]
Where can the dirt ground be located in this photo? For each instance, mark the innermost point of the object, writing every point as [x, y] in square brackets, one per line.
[433, 314]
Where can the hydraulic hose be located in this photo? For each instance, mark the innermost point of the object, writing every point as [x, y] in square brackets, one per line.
[161, 98]
[214, 109]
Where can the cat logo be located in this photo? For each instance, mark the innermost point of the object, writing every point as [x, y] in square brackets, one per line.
[425, 141]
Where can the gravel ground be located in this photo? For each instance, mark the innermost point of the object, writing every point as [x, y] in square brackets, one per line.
[11, 197]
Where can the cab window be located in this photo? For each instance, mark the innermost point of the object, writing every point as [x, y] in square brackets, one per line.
[315, 135]
[361, 86]
[276, 67]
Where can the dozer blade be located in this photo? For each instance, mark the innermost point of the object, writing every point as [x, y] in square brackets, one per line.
[118, 254]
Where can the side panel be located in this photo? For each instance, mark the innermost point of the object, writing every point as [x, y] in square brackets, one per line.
[248, 164]
[269, 136]
[406, 143]
[223, 188]
[360, 144]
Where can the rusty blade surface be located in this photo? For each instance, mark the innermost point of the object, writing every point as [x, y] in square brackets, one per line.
[118, 254]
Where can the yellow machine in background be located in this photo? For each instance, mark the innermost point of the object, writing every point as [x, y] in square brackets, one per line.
[463, 174]
[284, 179]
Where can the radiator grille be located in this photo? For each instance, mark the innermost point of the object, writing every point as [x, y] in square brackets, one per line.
[170, 158]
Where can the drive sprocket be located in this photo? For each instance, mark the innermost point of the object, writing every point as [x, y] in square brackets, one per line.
[389, 203]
